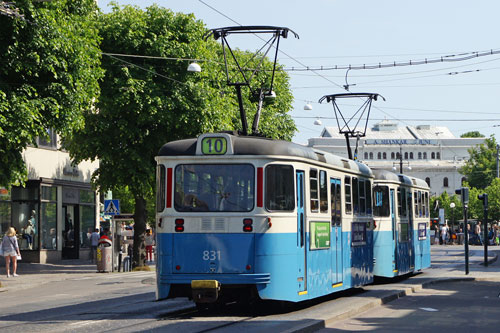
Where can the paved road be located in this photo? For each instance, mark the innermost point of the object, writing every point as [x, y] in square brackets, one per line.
[462, 306]
[72, 297]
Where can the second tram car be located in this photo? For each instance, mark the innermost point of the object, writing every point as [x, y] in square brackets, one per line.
[241, 216]
[402, 224]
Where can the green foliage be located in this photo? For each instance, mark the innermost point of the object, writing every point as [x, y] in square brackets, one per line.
[49, 75]
[147, 102]
[480, 169]
[472, 134]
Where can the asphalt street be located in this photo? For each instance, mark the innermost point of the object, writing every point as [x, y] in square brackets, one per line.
[73, 297]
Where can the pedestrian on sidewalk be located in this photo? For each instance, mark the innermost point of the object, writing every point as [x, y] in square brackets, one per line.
[94, 241]
[149, 241]
[477, 231]
[444, 233]
[10, 250]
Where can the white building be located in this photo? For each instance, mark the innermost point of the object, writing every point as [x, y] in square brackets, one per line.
[57, 201]
[431, 153]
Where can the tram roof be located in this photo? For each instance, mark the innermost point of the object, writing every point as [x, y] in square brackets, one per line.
[248, 145]
[391, 176]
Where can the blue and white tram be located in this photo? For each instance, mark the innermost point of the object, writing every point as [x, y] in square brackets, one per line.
[402, 222]
[246, 216]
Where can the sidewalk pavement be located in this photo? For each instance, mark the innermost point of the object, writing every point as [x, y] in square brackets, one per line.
[447, 265]
[34, 275]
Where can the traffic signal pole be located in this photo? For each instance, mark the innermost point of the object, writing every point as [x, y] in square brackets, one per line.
[464, 193]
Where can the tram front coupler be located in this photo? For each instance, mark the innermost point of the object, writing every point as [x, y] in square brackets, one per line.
[205, 291]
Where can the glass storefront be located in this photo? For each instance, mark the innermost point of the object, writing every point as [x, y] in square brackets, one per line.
[5, 210]
[48, 214]
[33, 211]
[25, 216]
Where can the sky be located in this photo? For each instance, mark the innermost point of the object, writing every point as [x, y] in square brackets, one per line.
[460, 95]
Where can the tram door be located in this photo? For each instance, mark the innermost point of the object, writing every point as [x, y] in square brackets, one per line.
[394, 234]
[301, 234]
[336, 246]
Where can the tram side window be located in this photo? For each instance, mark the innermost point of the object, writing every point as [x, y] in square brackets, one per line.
[420, 204]
[400, 210]
[355, 195]
[427, 204]
[347, 190]
[415, 200]
[381, 201]
[362, 197]
[279, 187]
[368, 191]
[160, 188]
[323, 192]
[402, 204]
[313, 184]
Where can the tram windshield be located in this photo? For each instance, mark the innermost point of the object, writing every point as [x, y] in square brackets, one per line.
[214, 187]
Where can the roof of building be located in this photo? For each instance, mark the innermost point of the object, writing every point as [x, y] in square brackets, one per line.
[390, 129]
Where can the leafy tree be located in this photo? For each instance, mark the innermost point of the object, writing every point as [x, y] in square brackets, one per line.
[49, 75]
[472, 134]
[480, 169]
[146, 102]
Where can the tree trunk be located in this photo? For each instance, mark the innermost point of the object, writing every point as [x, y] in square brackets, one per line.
[140, 214]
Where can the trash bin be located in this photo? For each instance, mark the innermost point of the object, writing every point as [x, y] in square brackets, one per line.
[104, 255]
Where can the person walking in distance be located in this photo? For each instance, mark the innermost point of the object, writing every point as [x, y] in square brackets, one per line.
[477, 231]
[149, 242]
[444, 233]
[94, 241]
[10, 251]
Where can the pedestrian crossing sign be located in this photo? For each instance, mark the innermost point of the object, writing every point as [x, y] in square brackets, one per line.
[112, 207]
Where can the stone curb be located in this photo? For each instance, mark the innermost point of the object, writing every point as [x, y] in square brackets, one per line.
[316, 325]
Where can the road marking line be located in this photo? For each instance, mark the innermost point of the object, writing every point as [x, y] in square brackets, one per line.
[429, 309]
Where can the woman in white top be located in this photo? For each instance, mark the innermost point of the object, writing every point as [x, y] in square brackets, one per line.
[10, 250]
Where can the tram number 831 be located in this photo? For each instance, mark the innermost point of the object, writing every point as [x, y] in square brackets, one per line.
[211, 255]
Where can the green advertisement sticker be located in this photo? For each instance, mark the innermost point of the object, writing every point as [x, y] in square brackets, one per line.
[320, 235]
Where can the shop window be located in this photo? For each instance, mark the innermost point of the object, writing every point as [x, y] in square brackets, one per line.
[25, 216]
[419, 156]
[445, 182]
[87, 224]
[49, 225]
[406, 155]
[438, 155]
[371, 156]
[384, 155]
[433, 155]
[379, 155]
[366, 155]
[5, 210]
[411, 155]
[48, 217]
[393, 156]
[425, 155]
